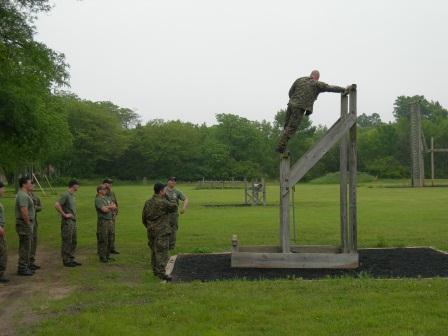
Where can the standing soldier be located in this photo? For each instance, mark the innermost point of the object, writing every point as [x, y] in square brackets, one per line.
[104, 209]
[38, 207]
[175, 195]
[111, 195]
[66, 206]
[25, 215]
[302, 96]
[155, 218]
[3, 250]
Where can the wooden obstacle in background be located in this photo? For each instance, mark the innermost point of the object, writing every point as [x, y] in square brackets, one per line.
[287, 256]
[419, 148]
[253, 190]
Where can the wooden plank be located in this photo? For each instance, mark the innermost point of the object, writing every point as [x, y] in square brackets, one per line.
[320, 148]
[353, 236]
[284, 202]
[441, 150]
[293, 249]
[295, 260]
[261, 249]
[343, 178]
[170, 265]
[315, 249]
[432, 161]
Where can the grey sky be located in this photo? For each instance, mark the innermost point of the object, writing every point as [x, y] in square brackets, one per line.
[190, 60]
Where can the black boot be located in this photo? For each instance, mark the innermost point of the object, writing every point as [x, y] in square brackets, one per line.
[34, 267]
[69, 264]
[25, 272]
[114, 252]
[3, 279]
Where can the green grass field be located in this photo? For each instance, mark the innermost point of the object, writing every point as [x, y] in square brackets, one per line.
[124, 298]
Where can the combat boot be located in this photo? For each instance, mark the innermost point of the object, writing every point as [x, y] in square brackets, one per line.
[69, 264]
[34, 267]
[3, 279]
[25, 272]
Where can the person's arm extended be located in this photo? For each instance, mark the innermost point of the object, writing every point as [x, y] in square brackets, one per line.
[324, 87]
[25, 215]
[38, 205]
[291, 90]
[185, 206]
[59, 209]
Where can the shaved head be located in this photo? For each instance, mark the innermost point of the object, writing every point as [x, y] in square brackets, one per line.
[315, 74]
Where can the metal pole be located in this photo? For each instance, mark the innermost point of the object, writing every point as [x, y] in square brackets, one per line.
[432, 161]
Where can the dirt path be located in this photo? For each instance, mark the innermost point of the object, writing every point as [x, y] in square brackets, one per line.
[15, 296]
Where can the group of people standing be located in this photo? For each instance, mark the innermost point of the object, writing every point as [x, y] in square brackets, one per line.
[160, 216]
[26, 209]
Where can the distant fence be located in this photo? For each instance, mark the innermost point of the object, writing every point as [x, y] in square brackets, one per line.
[221, 184]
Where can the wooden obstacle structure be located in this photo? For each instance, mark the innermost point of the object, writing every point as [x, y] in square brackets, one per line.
[433, 150]
[417, 141]
[419, 148]
[286, 256]
[253, 190]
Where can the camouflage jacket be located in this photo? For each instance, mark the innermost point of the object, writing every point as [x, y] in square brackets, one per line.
[304, 92]
[155, 215]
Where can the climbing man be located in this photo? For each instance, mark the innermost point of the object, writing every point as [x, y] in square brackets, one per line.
[302, 95]
[175, 195]
[155, 218]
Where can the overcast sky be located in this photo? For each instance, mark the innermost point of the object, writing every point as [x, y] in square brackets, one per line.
[190, 60]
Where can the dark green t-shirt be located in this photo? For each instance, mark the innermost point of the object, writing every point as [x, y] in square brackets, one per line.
[174, 195]
[67, 201]
[2, 216]
[102, 202]
[23, 200]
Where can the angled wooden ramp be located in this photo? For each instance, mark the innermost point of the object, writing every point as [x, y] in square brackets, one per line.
[286, 256]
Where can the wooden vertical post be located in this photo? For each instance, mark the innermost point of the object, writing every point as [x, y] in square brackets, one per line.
[263, 181]
[343, 179]
[417, 168]
[352, 158]
[432, 161]
[245, 191]
[252, 185]
[285, 166]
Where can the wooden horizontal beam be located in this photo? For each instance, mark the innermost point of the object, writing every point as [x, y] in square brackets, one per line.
[293, 249]
[322, 146]
[295, 260]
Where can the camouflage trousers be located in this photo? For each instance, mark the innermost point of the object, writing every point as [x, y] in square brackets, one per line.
[69, 240]
[294, 116]
[159, 243]
[3, 255]
[174, 224]
[25, 233]
[104, 234]
[112, 231]
[33, 244]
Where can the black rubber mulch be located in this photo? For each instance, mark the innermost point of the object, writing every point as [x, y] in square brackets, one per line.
[377, 263]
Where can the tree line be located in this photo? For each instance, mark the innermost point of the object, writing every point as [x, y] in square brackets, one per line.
[58, 132]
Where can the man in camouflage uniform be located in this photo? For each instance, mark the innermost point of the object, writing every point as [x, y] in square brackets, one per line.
[66, 206]
[25, 215]
[104, 209]
[38, 208]
[302, 95]
[113, 199]
[155, 218]
[175, 195]
[3, 249]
